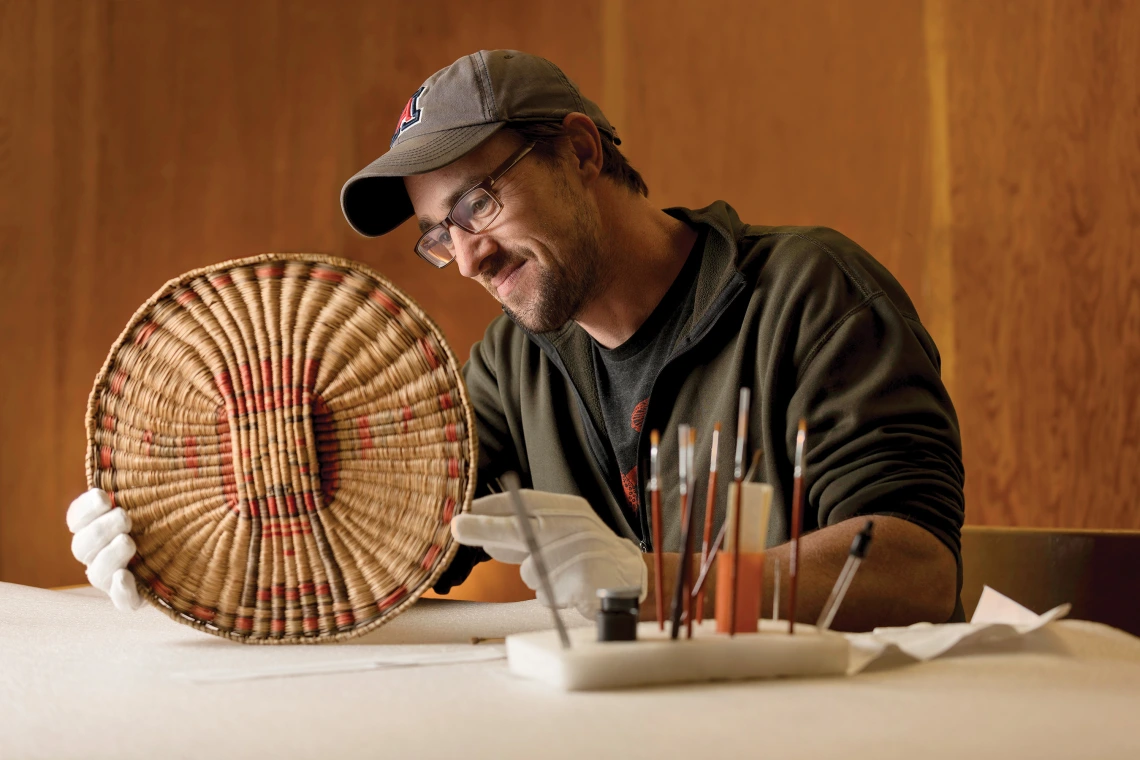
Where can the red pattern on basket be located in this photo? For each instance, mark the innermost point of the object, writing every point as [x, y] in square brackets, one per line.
[118, 381]
[146, 329]
[386, 301]
[311, 367]
[290, 526]
[392, 598]
[327, 275]
[161, 589]
[429, 353]
[451, 432]
[225, 448]
[203, 613]
[190, 453]
[445, 401]
[251, 400]
[269, 394]
[429, 558]
[184, 297]
[287, 379]
[328, 448]
[221, 280]
[364, 433]
[270, 271]
[108, 422]
[453, 468]
[448, 510]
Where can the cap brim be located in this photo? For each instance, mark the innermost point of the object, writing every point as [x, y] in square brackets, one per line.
[374, 201]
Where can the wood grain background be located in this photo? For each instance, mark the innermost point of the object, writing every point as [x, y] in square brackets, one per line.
[987, 153]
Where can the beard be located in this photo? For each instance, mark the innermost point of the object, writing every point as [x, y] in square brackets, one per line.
[565, 284]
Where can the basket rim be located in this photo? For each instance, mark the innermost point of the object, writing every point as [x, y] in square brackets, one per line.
[445, 557]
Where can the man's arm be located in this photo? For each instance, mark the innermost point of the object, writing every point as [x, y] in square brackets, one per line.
[497, 453]
[908, 576]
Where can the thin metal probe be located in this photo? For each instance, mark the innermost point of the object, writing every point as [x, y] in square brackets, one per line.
[512, 483]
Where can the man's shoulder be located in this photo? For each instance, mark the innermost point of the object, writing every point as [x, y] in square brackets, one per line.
[803, 260]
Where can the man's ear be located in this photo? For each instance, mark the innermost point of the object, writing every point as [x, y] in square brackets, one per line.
[585, 146]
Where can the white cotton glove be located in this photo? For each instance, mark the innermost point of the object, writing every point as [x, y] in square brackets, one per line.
[103, 543]
[581, 553]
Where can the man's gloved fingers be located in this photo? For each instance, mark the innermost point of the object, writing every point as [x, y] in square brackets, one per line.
[536, 503]
[529, 575]
[540, 595]
[481, 530]
[86, 507]
[124, 593]
[507, 554]
[587, 608]
[495, 504]
[89, 541]
[110, 560]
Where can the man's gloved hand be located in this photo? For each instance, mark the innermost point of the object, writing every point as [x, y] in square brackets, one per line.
[102, 542]
[582, 554]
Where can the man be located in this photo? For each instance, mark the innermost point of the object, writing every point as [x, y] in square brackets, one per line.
[620, 318]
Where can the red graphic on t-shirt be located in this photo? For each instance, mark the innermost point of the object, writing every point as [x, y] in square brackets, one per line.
[637, 419]
[629, 483]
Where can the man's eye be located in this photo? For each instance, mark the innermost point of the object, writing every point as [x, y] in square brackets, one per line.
[444, 237]
[479, 206]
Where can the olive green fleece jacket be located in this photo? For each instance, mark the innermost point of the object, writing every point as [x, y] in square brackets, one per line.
[802, 316]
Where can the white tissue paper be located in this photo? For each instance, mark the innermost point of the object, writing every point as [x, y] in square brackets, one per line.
[996, 618]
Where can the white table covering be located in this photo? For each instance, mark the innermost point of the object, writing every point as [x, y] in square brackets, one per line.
[79, 679]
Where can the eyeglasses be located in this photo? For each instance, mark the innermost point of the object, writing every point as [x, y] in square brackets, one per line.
[473, 212]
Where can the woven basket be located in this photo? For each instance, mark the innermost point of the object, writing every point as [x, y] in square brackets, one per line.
[291, 436]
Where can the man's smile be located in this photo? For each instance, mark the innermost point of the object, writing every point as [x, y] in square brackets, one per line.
[505, 279]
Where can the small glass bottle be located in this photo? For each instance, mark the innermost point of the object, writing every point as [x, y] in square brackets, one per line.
[617, 617]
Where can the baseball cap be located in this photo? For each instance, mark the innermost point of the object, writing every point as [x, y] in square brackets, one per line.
[453, 113]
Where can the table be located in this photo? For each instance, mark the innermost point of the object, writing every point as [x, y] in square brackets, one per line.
[80, 679]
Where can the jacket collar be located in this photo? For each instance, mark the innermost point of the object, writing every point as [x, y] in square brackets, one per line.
[718, 281]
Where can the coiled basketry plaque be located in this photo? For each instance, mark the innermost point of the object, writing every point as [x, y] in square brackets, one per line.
[291, 436]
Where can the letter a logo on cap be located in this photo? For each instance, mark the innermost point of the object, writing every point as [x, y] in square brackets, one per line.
[410, 116]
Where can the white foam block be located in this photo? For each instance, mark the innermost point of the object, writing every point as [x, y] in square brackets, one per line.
[656, 659]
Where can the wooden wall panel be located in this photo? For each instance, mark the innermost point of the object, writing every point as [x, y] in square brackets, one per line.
[987, 153]
[1044, 111]
[140, 140]
[794, 113]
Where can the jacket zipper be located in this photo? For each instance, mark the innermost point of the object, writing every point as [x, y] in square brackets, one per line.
[688, 343]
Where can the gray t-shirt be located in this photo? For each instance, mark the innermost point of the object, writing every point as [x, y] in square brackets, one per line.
[625, 374]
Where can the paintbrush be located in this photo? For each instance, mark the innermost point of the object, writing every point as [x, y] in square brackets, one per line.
[710, 504]
[741, 441]
[797, 524]
[691, 517]
[686, 529]
[654, 489]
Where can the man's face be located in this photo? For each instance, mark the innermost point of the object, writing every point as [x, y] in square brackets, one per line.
[540, 257]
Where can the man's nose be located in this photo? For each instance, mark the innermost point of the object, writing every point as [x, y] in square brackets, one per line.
[471, 250]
